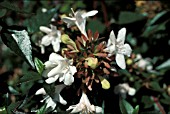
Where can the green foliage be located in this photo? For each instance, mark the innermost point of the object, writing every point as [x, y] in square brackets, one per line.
[13, 106]
[126, 108]
[19, 42]
[39, 65]
[126, 17]
[30, 76]
[2, 12]
[40, 19]
[3, 110]
[42, 110]
[11, 5]
[96, 25]
[164, 65]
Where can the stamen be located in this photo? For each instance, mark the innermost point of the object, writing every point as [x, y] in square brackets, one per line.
[73, 11]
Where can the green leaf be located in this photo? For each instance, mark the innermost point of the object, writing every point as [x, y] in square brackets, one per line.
[41, 19]
[3, 110]
[155, 85]
[125, 107]
[30, 76]
[127, 17]
[2, 12]
[19, 42]
[148, 103]
[42, 109]
[150, 30]
[136, 110]
[39, 65]
[13, 106]
[11, 5]
[96, 25]
[49, 88]
[164, 65]
[131, 40]
[157, 17]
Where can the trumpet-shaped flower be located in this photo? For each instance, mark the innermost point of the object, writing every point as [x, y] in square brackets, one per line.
[117, 46]
[79, 19]
[52, 37]
[84, 106]
[59, 68]
[52, 101]
[124, 88]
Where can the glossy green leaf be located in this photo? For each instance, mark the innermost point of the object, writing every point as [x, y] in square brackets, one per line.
[11, 5]
[19, 42]
[148, 103]
[157, 17]
[30, 76]
[39, 65]
[127, 17]
[96, 25]
[164, 65]
[13, 106]
[136, 110]
[42, 109]
[40, 19]
[125, 107]
[150, 30]
[2, 12]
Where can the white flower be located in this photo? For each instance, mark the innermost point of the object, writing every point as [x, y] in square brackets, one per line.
[84, 106]
[59, 67]
[143, 63]
[52, 37]
[117, 46]
[52, 101]
[79, 19]
[124, 88]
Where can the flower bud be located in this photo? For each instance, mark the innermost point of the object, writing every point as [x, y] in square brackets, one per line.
[92, 62]
[67, 40]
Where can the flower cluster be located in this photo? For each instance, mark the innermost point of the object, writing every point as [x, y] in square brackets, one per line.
[85, 57]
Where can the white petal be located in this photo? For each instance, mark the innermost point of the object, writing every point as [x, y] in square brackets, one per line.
[51, 79]
[45, 72]
[68, 78]
[90, 13]
[112, 38]
[46, 40]
[131, 91]
[57, 96]
[55, 71]
[126, 50]
[61, 100]
[49, 64]
[69, 21]
[121, 36]
[42, 49]
[84, 99]
[98, 109]
[75, 108]
[56, 45]
[45, 29]
[50, 103]
[73, 69]
[120, 60]
[80, 22]
[40, 91]
[55, 57]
